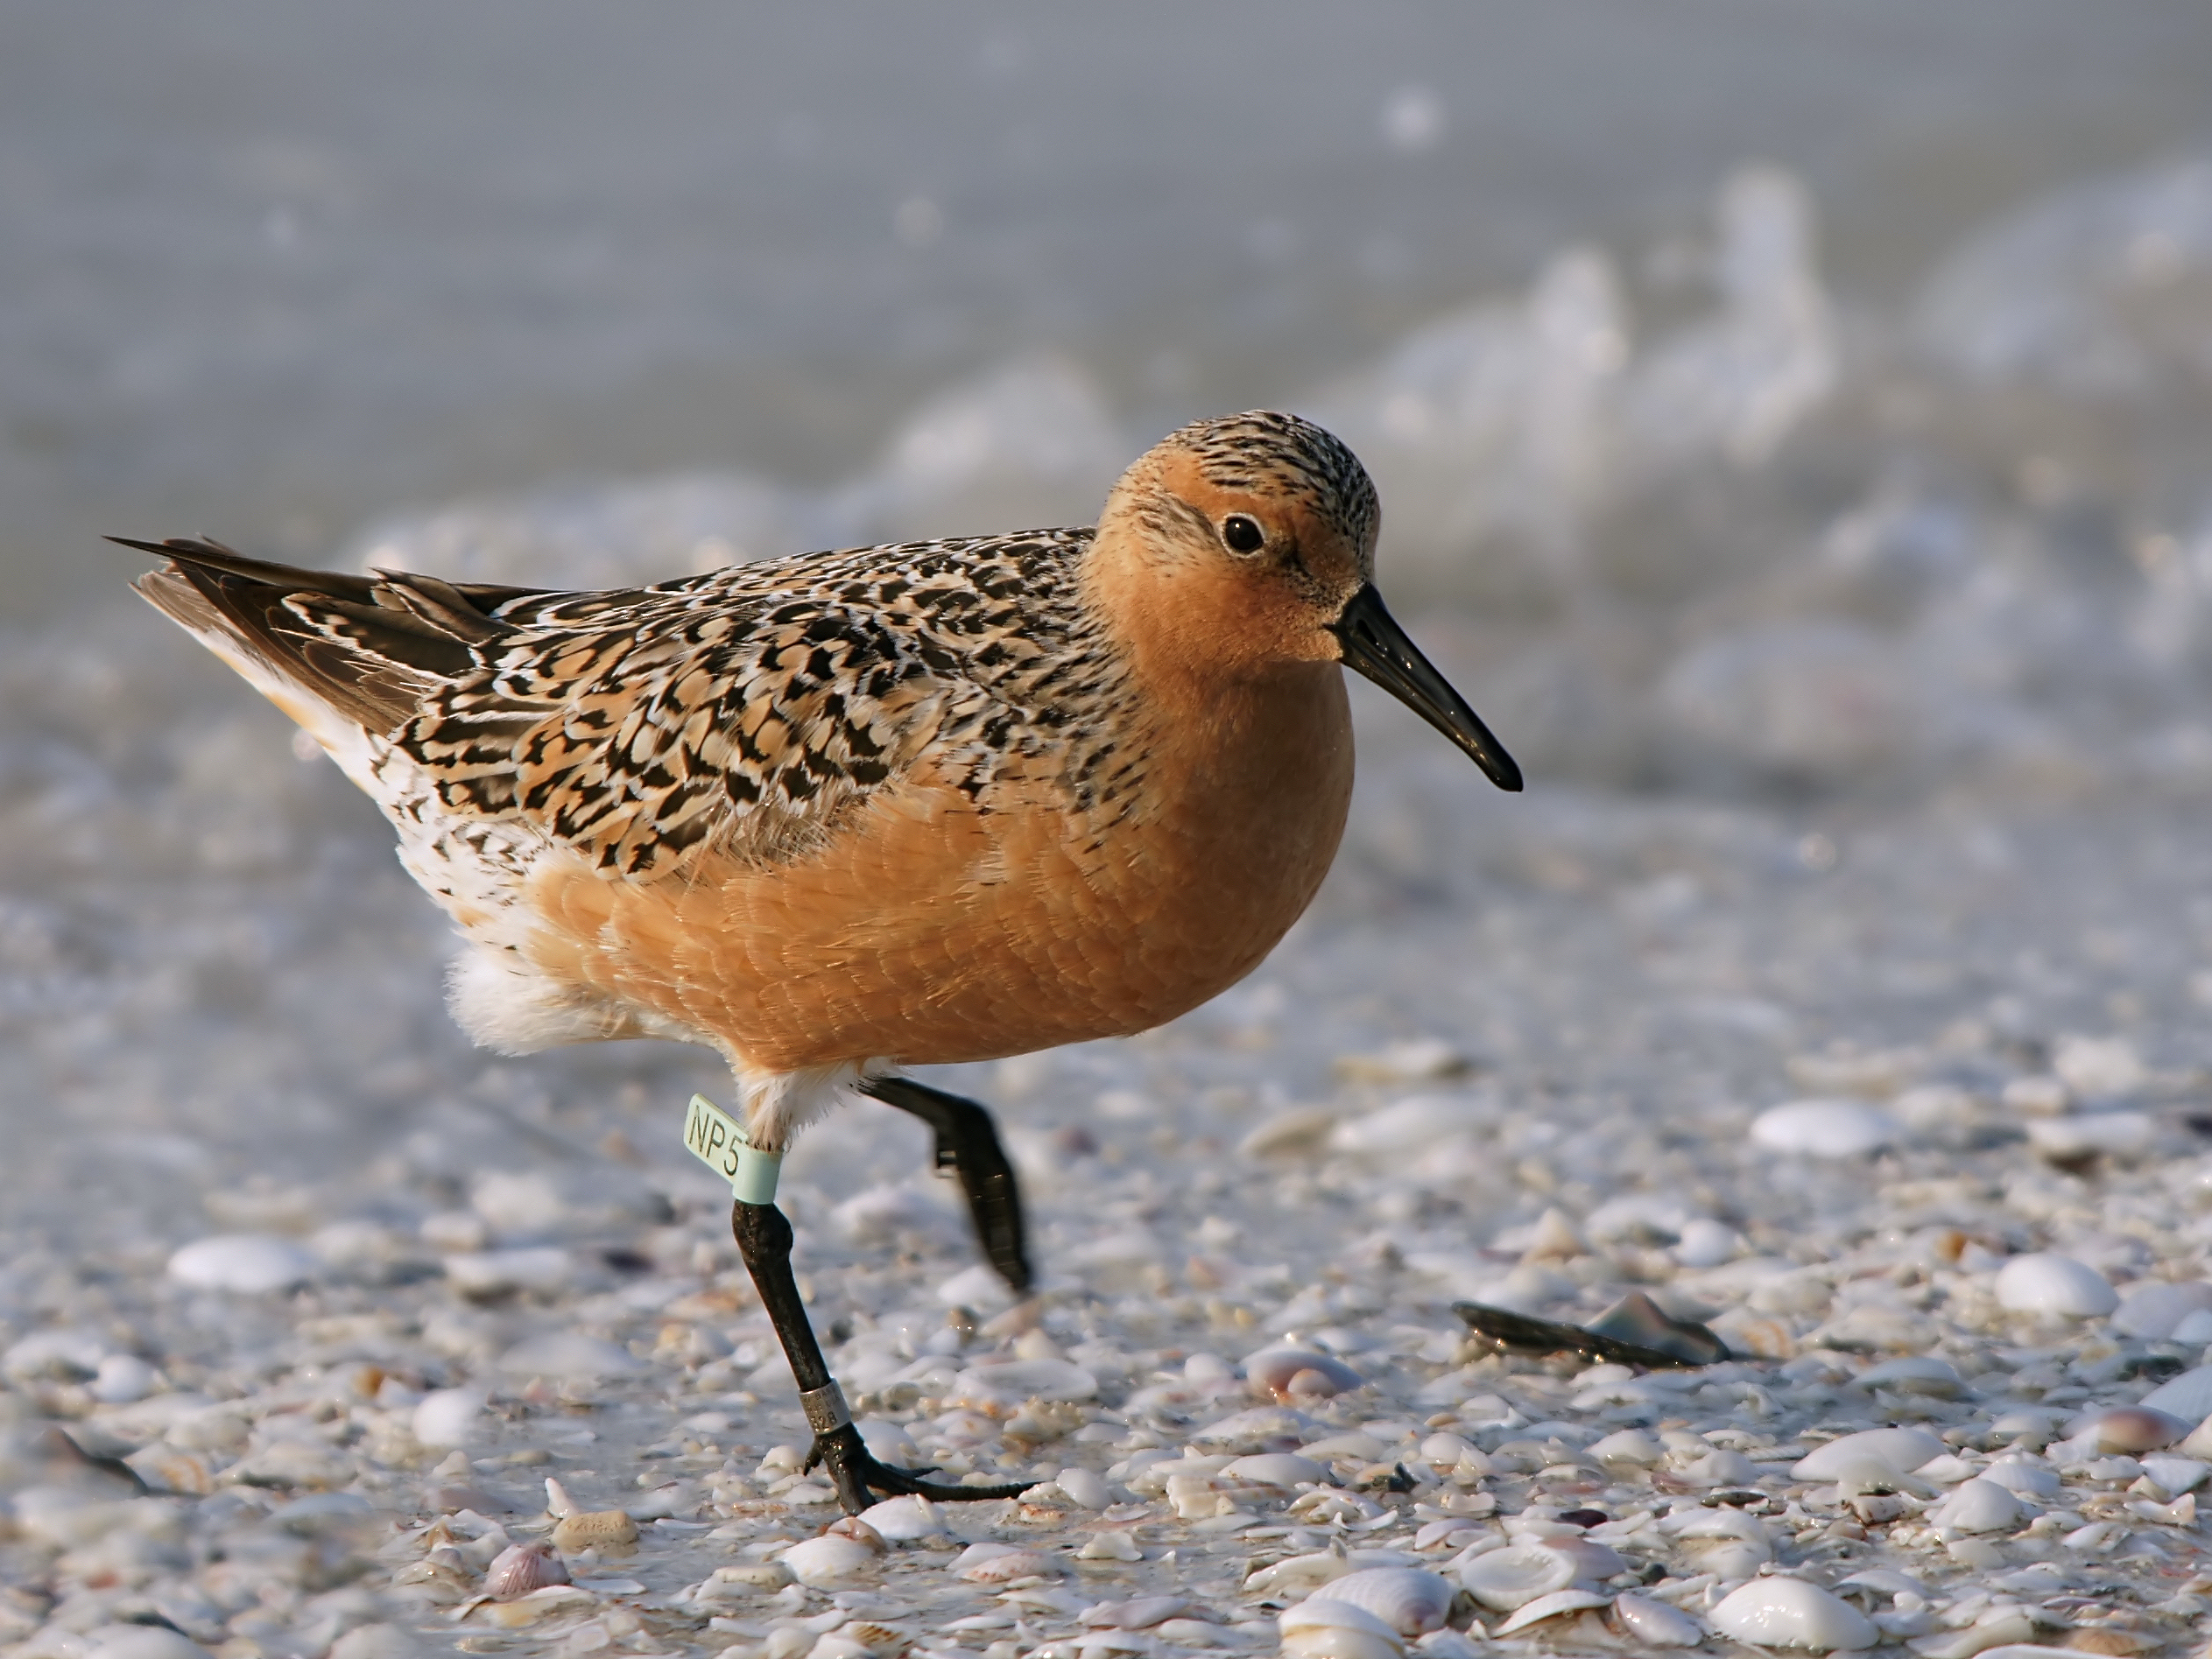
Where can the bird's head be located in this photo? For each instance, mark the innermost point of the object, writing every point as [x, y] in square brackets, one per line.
[1248, 541]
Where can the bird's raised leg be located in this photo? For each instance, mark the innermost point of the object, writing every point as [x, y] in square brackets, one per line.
[764, 1238]
[968, 1144]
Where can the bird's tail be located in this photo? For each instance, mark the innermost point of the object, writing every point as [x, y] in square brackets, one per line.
[342, 655]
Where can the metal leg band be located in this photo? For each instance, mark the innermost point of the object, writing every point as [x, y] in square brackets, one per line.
[826, 1412]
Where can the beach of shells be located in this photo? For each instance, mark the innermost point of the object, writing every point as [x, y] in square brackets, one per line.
[1911, 1113]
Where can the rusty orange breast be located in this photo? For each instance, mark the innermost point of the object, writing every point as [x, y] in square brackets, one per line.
[932, 928]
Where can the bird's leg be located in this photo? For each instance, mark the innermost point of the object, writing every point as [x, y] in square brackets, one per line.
[967, 1143]
[764, 1238]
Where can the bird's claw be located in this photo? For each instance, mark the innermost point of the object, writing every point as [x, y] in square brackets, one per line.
[856, 1472]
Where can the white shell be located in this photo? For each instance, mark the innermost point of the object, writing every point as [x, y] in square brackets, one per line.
[448, 1416]
[1140, 1613]
[829, 1560]
[1297, 1574]
[1627, 1445]
[1012, 1382]
[1365, 1447]
[1508, 1580]
[1408, 1599]
[1291, 1374]
[571, 1355]
[2031, 1479]
[521, 1568]
[1550, 1606]
[1085, 1488]
[1110, 1546]
[888, 1442]
[1275, 1469]
[1417, 1122]
[124, 1378]
[2128, 1429]
[1903, 1450]
[2177, 1475]
[1706, 1243]
[2194, 1329]
[2153, 1312]
[762, 1576]
[1655, 1624]
[2187, 1396]
[1003, 1564]
[1824, 1128]
[2098, 1065]
[1789, 1612]
[2119, 1134]
[903, 1520]
[1316, 1629]
[250, 1263]
[1978, 1506]
[488, 1273]
[2054, 1286]
[144, 1641]
[1592, 1560]
[1445, 1451]
[1915, 1373]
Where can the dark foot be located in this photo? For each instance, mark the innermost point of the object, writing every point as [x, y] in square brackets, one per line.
[856, 1473]
[968, 1144]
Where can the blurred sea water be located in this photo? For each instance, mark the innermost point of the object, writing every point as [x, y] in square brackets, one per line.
[1784, 418]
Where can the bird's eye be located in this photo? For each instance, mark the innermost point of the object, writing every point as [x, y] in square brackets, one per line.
[1243, 535]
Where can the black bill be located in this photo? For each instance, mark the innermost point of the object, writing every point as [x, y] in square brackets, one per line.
[1377, 646]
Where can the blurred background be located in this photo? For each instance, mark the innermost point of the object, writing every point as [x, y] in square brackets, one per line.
[1804, 408]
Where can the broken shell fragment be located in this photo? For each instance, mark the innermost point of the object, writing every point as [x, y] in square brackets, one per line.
[1551, 1606]
[1638, 1321]
[1276, 1469]
[1000, 1564]
[1634, 1331]
[1299, 1575]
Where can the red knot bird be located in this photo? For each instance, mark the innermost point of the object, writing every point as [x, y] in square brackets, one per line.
[836, 815]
